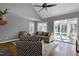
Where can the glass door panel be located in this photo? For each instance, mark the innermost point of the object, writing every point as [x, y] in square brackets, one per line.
[65, 31]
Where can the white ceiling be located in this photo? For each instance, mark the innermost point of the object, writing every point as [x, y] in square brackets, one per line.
[61, 8]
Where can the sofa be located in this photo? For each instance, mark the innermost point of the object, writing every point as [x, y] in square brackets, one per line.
[28, 45]
[44, 36]
[28, 48]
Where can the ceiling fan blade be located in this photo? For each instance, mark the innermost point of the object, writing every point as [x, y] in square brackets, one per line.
[41, 9]
[37, 6]
[46, 8]
[51, 5]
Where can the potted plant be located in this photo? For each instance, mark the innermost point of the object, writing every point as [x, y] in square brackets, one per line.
[3, 20]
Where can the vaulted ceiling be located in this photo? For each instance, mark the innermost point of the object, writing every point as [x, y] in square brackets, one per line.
[59, 9]
[29, 11]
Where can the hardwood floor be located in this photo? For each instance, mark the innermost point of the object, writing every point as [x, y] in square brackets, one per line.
[60, 49]
[54, 48]
[65, 49]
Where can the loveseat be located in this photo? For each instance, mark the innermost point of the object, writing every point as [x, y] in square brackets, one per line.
[44, 36]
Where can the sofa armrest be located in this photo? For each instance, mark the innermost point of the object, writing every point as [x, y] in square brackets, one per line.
[49, 34]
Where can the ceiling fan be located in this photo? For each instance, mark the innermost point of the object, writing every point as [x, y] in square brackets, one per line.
[45, 6]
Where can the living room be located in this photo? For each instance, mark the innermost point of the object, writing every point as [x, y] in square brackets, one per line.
[28, 29]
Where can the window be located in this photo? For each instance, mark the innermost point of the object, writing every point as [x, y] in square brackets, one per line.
[73, 28]
[31, 27]
[64, 28]
[58, 27]
[42, 27]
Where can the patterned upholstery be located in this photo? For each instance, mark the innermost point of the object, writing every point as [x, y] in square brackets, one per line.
[34, 38]
[24, 36]
[29, 48]
[28, 45]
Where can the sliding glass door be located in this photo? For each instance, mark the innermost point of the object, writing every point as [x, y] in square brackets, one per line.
[65, 29]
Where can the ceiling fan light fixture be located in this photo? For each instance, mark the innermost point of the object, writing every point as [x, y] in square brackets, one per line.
[45, 6]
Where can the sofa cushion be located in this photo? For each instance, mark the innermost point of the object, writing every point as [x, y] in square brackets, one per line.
[34, 38]
[24, 38]
[22, 33]
[30, 38]
[40, 33]
[45, 33]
